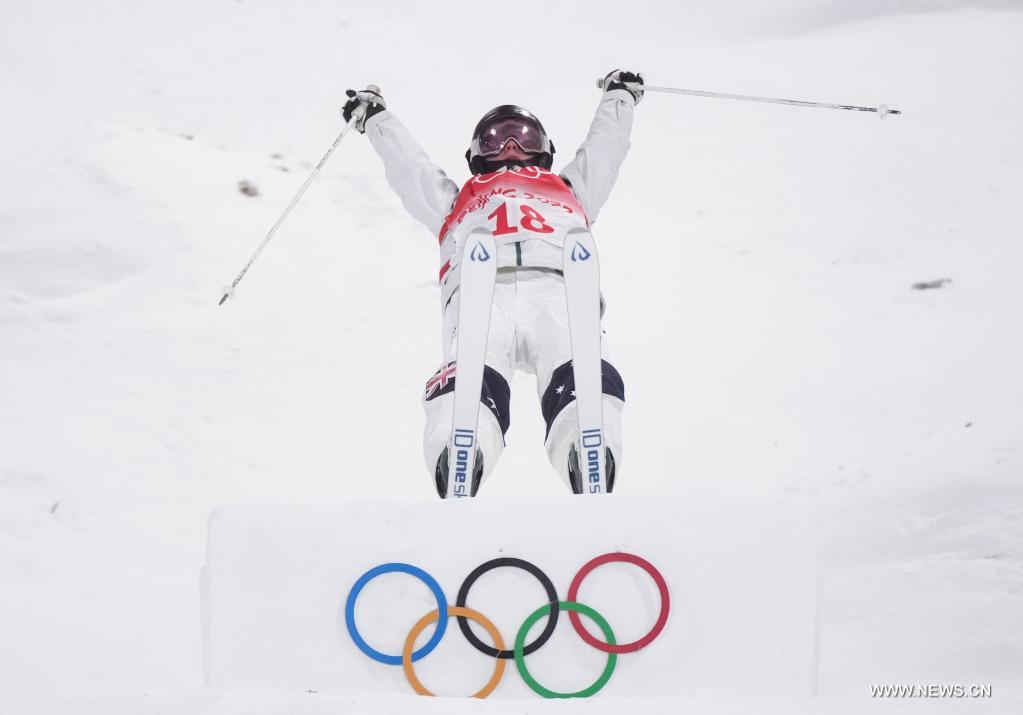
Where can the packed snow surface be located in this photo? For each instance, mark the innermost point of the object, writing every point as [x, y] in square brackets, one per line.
[802, 302]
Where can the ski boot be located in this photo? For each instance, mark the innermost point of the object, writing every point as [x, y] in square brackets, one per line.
[441, 474]
[575, 473]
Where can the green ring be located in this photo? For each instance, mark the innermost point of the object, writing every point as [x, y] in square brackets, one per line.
[520, 644]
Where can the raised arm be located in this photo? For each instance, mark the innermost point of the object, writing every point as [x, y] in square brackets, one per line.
[424, 189]
[594, 169]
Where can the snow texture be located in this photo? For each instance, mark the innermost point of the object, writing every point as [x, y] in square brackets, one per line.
[758, 261]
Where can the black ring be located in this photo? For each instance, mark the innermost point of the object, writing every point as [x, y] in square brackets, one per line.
[552, 598]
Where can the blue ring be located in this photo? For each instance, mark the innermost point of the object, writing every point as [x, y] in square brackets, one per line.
[442, 607]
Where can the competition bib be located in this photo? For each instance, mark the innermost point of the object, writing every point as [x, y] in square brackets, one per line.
[516, 205]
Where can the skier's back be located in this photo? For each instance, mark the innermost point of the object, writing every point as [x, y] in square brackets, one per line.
[529, 210]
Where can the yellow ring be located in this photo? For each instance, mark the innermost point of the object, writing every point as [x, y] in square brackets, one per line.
[410, 642]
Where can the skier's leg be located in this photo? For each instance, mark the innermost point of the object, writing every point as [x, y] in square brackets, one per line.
[563, 428]
[543, 318]
[439, 395]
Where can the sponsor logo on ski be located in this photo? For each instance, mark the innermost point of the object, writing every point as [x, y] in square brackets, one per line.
[551, 609]
[463, 441]
[479, 253]
[579, 252]
[592, 441]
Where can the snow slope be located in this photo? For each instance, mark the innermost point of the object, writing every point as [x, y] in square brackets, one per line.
[758, 263]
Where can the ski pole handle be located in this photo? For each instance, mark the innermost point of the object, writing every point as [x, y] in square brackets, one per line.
[882, 110]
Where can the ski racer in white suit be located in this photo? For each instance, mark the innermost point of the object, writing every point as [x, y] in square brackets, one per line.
[529, 210]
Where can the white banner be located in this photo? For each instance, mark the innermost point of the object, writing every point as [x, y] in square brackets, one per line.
[740, 575]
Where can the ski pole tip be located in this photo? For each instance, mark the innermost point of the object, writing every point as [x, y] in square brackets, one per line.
[883, 111]
[228, 293]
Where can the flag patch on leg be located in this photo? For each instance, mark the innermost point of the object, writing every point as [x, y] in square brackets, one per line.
[495, 393]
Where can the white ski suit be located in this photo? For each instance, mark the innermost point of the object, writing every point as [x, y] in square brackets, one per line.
[529, 211]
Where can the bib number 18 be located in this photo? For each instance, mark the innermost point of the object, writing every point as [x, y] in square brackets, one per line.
[531, 220]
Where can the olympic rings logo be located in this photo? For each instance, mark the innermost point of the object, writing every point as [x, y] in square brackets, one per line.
[520, 649]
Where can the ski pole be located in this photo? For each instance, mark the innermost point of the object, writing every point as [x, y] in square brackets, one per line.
[356, 115]
[882, 110]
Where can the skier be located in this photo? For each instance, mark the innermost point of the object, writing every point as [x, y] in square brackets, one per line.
[529, 209]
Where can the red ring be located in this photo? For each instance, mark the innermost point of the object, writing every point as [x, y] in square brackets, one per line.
[662, 618]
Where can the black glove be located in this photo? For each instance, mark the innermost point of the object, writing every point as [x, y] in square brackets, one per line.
[369, 99]
[616, 80]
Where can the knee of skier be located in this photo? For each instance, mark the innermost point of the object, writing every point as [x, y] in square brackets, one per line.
[559, 393]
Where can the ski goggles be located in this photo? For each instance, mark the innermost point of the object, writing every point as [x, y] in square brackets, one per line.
[527, 134]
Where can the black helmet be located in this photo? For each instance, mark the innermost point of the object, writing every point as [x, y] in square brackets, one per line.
[501, 124]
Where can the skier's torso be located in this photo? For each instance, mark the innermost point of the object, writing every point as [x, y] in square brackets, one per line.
[528, 210]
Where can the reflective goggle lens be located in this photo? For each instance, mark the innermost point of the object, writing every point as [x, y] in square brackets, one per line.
[496, 134]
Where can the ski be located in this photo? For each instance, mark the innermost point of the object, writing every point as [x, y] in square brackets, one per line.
[582, 292]
[478, 268]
